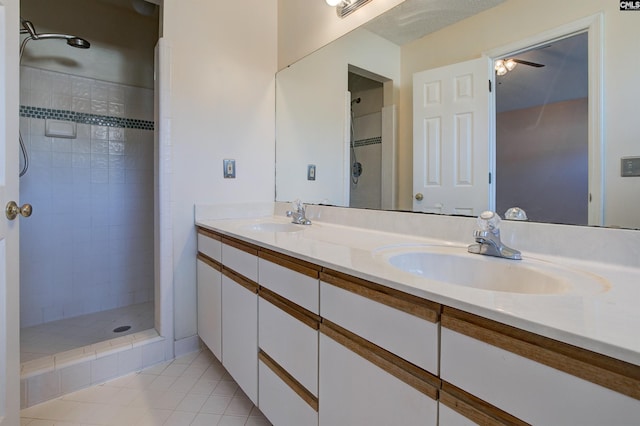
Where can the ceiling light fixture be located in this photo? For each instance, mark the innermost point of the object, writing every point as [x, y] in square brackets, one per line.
[345, 7]
[503, 66]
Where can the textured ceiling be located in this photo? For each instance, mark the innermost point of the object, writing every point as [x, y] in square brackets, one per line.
[414, 19]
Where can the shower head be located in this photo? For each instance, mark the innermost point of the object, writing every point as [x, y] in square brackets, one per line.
[72, 41]
[28, 28]
[78, 42]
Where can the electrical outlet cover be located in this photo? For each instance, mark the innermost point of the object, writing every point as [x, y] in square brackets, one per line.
[229, 168]
[311, 172]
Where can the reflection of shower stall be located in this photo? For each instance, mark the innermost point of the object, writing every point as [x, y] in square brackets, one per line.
[370, 162]
[87, 252]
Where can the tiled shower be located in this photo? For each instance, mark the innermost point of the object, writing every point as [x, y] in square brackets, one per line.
[88, 246]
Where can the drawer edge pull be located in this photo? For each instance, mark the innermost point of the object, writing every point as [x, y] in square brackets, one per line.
[412, 375]
[289, 380]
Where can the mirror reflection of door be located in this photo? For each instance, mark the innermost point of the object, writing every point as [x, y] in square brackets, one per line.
[542, 140]
[451, 139]
[365, 141]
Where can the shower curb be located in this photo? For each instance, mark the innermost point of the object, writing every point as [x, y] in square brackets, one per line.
[51, 377]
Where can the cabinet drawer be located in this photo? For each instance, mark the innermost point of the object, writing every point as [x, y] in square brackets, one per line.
[290, 342]
[294, 280]
[383, 318]
[210, 244]
[355, 391]
[240, 257]
[497, 365]
[279, 402]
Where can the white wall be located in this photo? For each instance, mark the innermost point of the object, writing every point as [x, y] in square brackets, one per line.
[223, 62]
[519, 20]
[312, 126]
[304, 26]
[122, 41]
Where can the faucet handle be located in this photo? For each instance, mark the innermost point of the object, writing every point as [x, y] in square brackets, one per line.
[489, 221]
[297, 205]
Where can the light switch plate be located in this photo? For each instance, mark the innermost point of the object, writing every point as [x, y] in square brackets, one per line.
[229, 168]
[630, 166]
[311, 172]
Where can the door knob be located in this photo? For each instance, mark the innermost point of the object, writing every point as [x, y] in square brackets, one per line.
[419, 196]
[12, 210]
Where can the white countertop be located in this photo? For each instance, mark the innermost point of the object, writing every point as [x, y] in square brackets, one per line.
[605, 321]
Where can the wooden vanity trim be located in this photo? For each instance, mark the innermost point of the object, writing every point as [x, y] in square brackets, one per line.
[289, 380]
[240, 245]
[414, 376]
[209, 261]
[306, 268]
[298, 312]
[475, 409]
[611, 373]
[414, 305]
[209, 233]
[240, 279]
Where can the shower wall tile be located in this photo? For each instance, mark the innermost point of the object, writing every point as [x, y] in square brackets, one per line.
[89, 244]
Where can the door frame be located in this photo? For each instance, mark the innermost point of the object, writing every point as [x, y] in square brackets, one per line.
[593, 26]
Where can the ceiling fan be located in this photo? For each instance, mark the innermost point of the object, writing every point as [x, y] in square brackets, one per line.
[503, 66]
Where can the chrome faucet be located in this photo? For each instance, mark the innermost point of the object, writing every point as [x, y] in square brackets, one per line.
[298, 213]
[488, 238]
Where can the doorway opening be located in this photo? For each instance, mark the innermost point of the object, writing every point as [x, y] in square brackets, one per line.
[542, 131]
[371, 138]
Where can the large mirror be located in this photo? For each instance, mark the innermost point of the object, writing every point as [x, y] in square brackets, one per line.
[346, 122]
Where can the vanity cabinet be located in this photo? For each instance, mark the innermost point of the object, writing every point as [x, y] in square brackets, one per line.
[209, 290]
[288, 326]
[314, 346]
[378, 354]
[240, 314]
[491, 369]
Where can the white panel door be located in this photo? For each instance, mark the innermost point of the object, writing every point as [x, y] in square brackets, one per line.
[451, 138]
[9, 242]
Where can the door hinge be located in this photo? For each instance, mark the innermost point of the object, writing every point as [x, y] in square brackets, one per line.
[489, 86]
[489, 178]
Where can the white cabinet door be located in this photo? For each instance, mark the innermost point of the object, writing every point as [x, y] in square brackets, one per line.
[449, 417]
[355, 392]
[529, 390]
[291, 343]
[210, 307]
[240, 335]
[280, 403]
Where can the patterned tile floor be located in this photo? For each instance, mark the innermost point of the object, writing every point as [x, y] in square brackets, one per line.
[191, 390]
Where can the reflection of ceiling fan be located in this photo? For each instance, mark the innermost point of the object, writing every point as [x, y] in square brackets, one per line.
[503, 66]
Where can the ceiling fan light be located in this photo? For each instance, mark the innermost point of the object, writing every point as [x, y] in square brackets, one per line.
[510, 64]
[333, 2]
[500, 67]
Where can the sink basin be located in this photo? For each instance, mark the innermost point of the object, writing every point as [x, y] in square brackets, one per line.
[275, 227]
[454, 265]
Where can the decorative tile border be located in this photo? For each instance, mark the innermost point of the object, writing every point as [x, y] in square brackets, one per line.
[84, 118]
[370, 141]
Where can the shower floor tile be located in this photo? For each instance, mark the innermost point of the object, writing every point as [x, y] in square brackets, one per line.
[67, 334]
